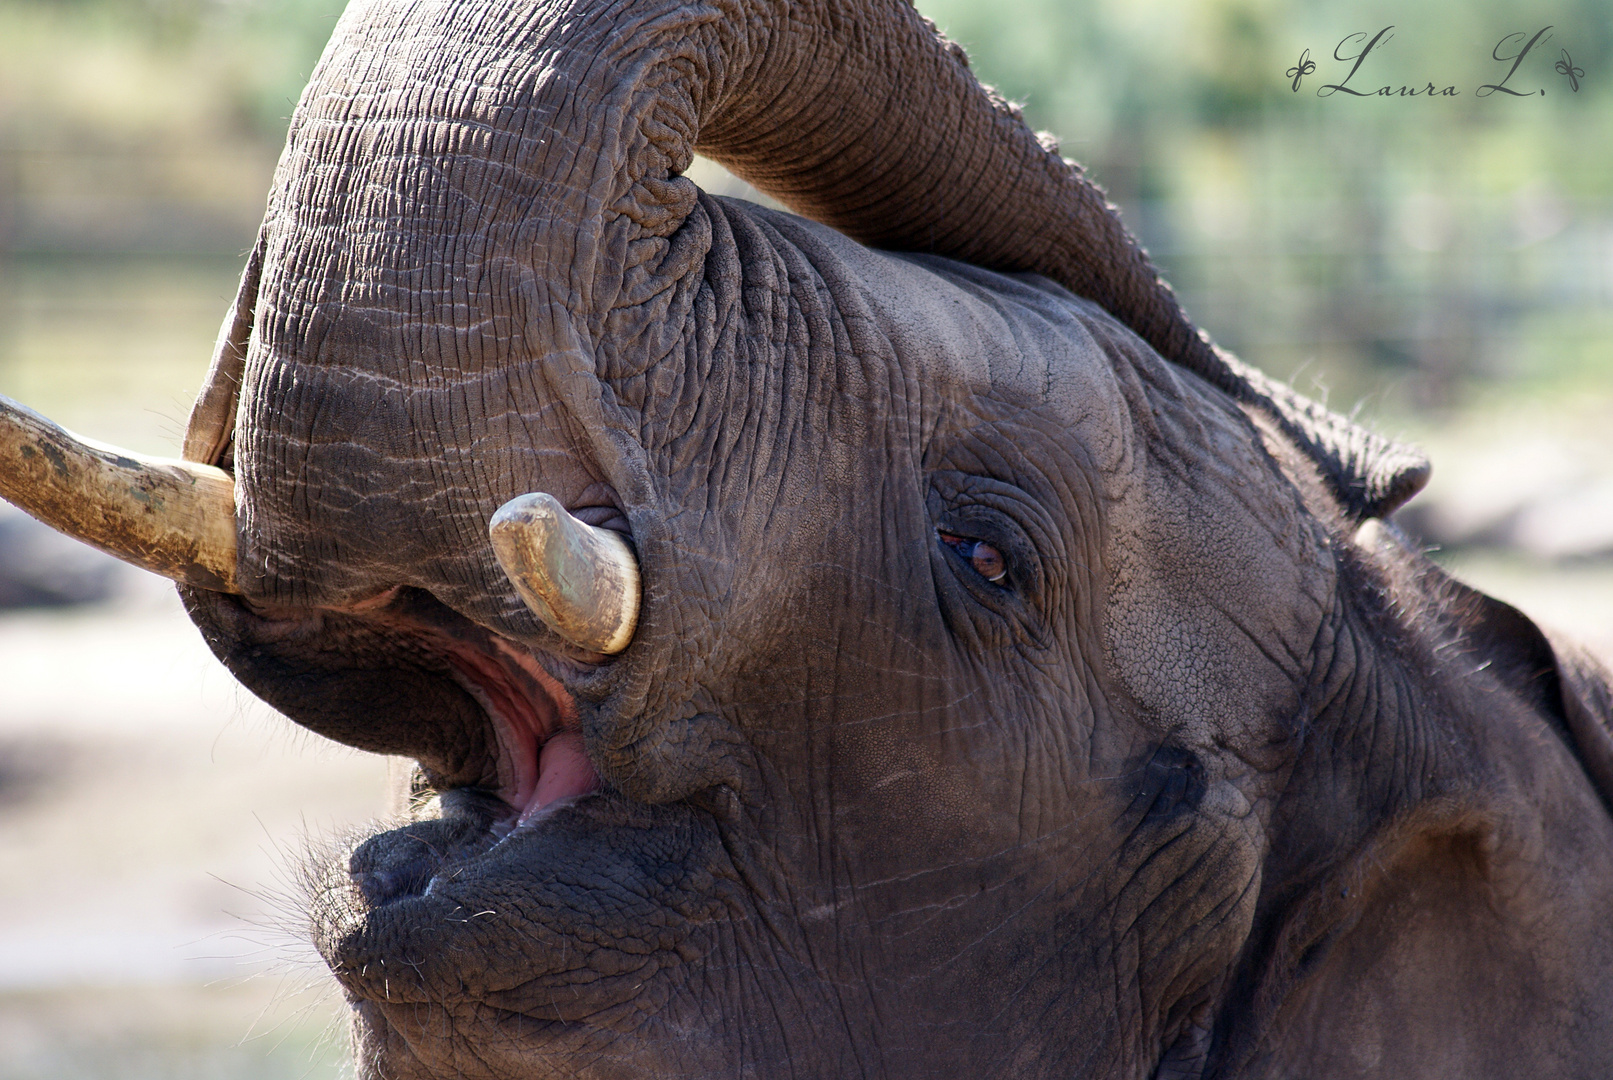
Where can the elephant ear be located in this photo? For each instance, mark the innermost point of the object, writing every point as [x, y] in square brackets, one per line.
[1586, 687]
[209, 434]
[1553, 674]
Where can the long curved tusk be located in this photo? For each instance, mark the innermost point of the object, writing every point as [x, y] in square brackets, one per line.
[583, 582]
[174, 518]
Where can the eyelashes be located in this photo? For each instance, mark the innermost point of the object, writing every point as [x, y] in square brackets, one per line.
[987, 563]
[986, 560]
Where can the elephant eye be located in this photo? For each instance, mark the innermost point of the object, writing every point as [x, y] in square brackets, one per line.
[987, 560]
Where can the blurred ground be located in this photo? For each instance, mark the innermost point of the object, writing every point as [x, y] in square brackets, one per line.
[151, 819]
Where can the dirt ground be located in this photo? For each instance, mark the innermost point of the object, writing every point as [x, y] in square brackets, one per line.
[152, 816]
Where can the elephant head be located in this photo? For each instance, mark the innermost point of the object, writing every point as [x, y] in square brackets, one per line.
[927, 661]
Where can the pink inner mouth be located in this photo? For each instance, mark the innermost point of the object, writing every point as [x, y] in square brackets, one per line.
[541, 757]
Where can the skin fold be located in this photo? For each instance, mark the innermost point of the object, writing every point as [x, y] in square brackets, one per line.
[1219, 780]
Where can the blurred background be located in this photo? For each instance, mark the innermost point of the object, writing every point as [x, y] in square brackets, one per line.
[1441, 266]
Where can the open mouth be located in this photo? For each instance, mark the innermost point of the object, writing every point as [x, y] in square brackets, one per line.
[531, 760]
[541, 760]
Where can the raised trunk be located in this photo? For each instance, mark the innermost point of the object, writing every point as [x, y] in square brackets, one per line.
[554, 134]
[861, 115]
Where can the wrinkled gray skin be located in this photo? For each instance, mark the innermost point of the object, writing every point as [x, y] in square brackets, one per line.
[1220, 780]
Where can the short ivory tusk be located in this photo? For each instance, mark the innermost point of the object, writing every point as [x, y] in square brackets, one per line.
[174, 518]
[583, 582]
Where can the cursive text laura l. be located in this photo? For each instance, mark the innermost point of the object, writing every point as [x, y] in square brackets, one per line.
[1512, 51]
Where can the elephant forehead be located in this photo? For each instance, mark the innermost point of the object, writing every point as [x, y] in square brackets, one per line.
[968, 333]
[1026, 344]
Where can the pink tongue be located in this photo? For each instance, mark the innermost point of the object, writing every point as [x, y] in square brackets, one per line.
[563, 771]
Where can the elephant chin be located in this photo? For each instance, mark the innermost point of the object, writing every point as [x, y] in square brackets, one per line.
[442, 929]
[526, 889]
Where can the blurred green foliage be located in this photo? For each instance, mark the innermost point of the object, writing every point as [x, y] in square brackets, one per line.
[137, 142]
[235, 65]
[1409, 247]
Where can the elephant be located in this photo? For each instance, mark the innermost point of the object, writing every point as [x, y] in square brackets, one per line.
[884, 639]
